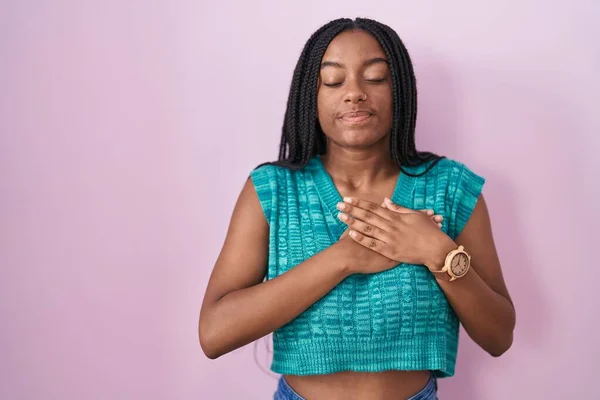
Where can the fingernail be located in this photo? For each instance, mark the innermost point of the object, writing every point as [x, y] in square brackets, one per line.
[387, 200]
[348, 200]
[341, 206]
[352, 233]
[343, 216]
[439, 218]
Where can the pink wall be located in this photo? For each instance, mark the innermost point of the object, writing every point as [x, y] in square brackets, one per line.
[127, 130]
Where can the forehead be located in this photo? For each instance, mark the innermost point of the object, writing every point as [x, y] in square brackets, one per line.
[356, 44]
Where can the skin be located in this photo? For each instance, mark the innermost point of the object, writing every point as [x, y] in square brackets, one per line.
[239, 308]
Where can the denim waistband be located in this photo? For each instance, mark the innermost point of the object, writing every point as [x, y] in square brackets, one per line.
[285, 391]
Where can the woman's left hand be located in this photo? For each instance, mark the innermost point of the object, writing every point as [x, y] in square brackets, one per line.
[396, 232]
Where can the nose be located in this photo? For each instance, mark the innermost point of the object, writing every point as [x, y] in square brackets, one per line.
[354, 93]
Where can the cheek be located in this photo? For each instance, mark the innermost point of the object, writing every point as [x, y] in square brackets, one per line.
[387, 116]
[386, 102]
[385, 108]
[325, 109]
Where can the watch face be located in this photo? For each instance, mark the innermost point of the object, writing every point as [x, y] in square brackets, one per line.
[460, 264]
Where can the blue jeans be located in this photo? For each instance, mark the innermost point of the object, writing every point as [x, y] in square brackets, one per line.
[285, 391]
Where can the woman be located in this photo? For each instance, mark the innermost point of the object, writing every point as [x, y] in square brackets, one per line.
[363, 292]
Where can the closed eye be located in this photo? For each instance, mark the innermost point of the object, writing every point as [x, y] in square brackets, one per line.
[368, 80]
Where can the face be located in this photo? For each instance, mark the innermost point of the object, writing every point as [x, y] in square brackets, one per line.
[354, 91]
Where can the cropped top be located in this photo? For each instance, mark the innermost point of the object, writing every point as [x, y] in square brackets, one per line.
[398, 319]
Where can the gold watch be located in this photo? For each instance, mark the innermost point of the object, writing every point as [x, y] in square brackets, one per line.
[457, 263]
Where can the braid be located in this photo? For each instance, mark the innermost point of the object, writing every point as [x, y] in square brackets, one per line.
[302, 137]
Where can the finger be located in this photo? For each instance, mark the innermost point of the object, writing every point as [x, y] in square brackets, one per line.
[438, 218]
[438, 224]
[371, 243]
[429, 213]
[351, 203]
[397, 208]
[364, 228]
[372, 215]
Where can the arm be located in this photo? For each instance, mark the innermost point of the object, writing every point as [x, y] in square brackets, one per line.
[480, 298]
[238, 307]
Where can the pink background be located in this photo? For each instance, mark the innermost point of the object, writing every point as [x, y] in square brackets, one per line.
[127, 129]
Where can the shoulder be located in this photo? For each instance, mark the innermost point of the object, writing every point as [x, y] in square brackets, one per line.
[269, 169]
[267, 175]
[272, 183]
[264, 170]
[447, 171]
[274, 173]
[461, 178]
[454, 184]
[443, 165]
[264, 180]
[463, 188]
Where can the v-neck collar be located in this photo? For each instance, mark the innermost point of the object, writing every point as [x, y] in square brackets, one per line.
[330, 195]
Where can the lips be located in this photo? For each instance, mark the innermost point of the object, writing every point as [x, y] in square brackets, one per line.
[354, 117]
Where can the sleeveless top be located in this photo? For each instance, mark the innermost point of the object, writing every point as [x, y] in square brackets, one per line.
[398, 319]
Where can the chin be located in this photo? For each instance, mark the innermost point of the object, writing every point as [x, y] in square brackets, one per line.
[360, 139]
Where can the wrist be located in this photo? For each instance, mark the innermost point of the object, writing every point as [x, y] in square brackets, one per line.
[438, 254]
[341, 262]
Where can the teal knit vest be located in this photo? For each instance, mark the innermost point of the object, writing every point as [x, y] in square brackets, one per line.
[398, 319]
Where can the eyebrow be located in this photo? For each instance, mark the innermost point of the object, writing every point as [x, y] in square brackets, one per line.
[365, 64]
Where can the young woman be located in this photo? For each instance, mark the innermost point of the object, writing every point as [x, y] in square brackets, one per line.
[364, 293]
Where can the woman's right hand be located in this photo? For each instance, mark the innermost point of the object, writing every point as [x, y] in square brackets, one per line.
[361, 260]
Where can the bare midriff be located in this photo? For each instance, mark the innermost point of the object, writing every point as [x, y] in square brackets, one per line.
[349, 385]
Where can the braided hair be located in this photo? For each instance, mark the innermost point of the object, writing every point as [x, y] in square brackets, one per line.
[302, 137]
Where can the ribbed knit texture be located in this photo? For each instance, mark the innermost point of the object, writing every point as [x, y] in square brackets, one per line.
[397, 319]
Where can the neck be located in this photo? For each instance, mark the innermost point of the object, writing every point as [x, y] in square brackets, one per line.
[359, 169]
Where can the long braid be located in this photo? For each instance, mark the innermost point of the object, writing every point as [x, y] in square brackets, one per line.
[302, 137]
[290, 125]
